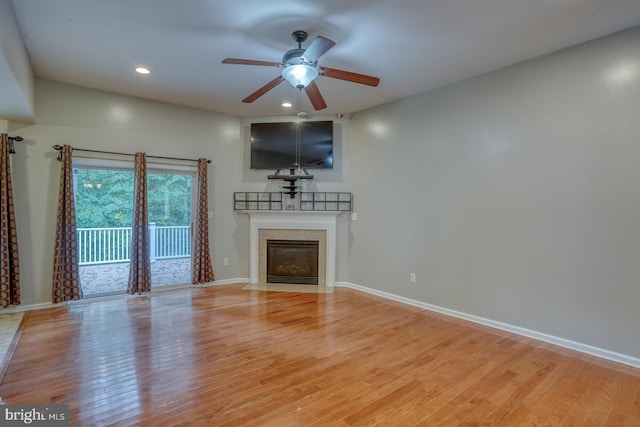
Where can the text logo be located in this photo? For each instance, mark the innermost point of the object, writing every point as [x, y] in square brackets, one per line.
[34, 415]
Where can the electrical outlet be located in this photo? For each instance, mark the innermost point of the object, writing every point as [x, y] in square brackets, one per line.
[354, 216]
[225, 261]
[412, 277]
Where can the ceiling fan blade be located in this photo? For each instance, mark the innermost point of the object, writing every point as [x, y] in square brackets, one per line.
[315, 97]
[317, 48]
[264, 89]
[250, 62]
[348, 76]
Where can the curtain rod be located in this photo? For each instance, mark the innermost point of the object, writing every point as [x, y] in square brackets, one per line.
[12, 139]
[59, 148]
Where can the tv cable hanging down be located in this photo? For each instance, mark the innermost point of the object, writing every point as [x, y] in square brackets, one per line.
[292, 178]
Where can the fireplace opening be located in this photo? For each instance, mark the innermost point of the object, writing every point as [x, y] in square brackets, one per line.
[292, 261]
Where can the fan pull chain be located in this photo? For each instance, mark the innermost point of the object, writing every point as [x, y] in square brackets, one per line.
[299, 108]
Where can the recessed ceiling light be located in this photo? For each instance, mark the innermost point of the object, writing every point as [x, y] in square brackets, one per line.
[287, 104]
[142, 70]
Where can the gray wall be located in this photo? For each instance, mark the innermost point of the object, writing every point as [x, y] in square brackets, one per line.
[85, 118]
[512, 196]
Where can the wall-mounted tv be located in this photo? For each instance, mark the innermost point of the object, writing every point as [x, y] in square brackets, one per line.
[273, 145]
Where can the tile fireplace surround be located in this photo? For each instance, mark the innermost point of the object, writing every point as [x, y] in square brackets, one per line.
[293, 225]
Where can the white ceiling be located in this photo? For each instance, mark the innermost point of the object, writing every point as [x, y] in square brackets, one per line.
[411, 45]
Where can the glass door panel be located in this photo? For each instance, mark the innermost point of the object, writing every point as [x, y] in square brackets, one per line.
[170, 210]
[104, 202]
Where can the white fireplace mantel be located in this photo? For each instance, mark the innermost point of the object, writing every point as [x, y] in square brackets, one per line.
[292, 220]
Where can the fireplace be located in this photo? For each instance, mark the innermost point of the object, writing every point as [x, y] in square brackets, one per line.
[292, 261]
[304, 247]
[293, 225]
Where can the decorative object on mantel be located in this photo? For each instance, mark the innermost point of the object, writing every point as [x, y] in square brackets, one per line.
[291, 180]
[309, 201]
[264, 201]
[323, 201]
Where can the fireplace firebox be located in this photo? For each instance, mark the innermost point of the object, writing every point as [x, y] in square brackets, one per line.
[292, 261]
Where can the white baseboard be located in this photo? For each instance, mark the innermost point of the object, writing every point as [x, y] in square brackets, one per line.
[118, 295]
[29, 307]
[224, 282]
[562, 342]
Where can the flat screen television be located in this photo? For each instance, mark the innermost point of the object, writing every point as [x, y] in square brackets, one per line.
[273, 145]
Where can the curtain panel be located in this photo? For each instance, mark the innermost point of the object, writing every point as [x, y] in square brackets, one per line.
[202, 268]
[140, 265]
[9, 259]
[66, 278]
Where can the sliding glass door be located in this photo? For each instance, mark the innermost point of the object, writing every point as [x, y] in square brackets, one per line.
[104, 201]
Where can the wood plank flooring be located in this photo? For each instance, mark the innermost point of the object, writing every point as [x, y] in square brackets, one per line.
[223, 356]
[10, 330]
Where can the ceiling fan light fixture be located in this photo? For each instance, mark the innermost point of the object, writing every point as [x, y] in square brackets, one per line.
[300, 68]
[299, 75]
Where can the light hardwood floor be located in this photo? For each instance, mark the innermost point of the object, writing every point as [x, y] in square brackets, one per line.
[224, 356]
[9, 334]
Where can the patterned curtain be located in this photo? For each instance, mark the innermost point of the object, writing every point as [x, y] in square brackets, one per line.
[66, 280]
[9, 260]
[202, 269]
[140, 267]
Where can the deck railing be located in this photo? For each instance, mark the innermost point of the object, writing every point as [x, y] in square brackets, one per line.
[109, 245]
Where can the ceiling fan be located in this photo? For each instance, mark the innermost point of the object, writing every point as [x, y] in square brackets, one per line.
[300, 68]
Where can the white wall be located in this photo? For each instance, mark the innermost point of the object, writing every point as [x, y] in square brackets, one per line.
[513, 196]
[91, 119]
[16, 74]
